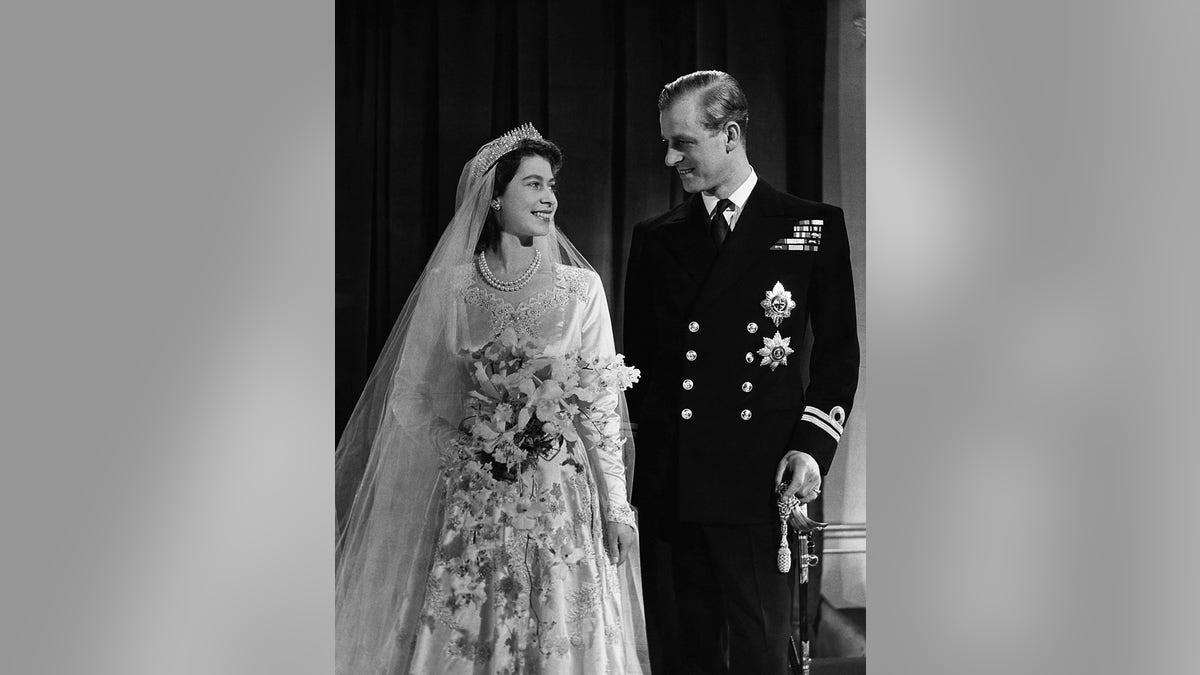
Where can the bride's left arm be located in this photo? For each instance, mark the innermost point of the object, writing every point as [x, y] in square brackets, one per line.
[610, 419]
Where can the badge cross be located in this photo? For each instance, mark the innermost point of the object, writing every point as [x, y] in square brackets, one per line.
[778, 304]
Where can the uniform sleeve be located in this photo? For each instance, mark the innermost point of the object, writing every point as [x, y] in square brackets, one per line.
[833, 369]
[603, 434]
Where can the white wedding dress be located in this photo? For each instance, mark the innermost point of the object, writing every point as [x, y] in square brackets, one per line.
[536, 594]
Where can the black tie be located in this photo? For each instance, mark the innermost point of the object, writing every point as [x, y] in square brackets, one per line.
[717, 224]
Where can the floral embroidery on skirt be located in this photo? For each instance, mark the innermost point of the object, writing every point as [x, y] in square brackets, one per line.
[520, 581]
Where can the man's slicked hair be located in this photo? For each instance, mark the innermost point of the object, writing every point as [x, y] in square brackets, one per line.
[721, 98]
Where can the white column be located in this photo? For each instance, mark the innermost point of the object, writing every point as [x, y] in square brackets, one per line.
[844, 576]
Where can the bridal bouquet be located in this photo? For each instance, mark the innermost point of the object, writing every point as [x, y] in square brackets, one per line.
[527, 407]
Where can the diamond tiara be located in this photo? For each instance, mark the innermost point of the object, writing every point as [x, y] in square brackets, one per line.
[493, 151]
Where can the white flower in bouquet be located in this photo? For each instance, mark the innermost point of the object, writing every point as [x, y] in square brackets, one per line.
[527, 406]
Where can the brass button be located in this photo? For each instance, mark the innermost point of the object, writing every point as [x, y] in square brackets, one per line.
[746, 387]
[693, 326]
[751, 327]
[688, 384]
[686, 413]
[746, 414]
[749, 357]
[691, 355]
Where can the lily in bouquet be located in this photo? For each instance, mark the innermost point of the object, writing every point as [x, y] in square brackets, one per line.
[528, 406]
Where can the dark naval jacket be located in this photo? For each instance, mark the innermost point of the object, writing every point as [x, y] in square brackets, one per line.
[718, 336]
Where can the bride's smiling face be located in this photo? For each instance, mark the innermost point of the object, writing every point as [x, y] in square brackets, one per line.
[528, 204]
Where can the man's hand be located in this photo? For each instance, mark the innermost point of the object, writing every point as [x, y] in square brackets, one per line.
[805, 476]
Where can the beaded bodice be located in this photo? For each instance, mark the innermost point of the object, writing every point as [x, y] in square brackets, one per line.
[551, 307]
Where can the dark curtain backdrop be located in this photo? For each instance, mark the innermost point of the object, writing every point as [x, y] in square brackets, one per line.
[420, 86]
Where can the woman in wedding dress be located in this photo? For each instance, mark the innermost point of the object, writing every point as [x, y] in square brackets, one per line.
[432, 577]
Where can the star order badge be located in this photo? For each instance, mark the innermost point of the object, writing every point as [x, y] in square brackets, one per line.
[778, 304]
[775, 351]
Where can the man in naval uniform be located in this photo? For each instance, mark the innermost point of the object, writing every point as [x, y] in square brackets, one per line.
[718, 293]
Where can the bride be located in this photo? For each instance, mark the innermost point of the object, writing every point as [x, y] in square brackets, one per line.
[428, 580]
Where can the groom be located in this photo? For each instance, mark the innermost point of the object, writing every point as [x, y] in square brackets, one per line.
[718, 293]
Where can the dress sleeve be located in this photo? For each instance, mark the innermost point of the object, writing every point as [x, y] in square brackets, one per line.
[429, 386]
[605, 435]
[639, 332]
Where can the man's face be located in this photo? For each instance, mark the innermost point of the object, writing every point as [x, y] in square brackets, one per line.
[695, 152]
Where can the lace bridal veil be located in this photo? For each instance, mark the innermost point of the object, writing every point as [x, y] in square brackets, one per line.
[411, 404]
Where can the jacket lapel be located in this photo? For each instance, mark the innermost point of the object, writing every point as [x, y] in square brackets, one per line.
[757, 228]
[685, 239]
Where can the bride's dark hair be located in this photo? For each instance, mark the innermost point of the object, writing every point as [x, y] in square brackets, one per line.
[506, 168]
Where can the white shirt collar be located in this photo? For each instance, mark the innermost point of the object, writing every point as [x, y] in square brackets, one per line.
[738, 198]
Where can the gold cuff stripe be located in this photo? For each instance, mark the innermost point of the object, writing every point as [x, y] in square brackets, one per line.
[823, 417]
[817, 422]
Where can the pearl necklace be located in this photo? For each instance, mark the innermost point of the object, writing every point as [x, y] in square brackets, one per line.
[515, 284]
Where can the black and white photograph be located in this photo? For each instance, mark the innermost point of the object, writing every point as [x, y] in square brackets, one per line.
[600, 321]
[367, 337]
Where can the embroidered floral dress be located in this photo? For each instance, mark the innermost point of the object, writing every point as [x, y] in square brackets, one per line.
[528, 587]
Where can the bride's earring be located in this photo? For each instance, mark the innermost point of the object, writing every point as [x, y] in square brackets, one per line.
[495, 204]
